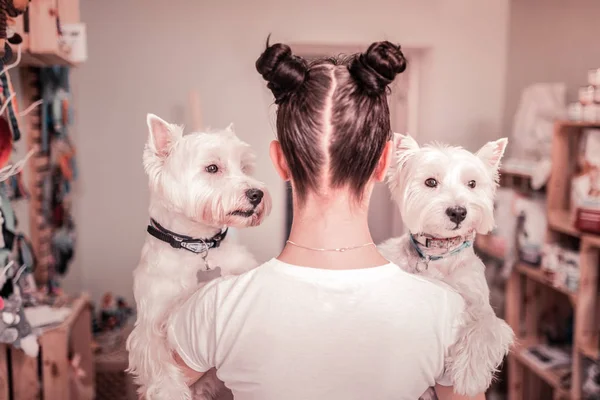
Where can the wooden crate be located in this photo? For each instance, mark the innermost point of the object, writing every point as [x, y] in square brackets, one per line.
[48, 377]
[39, 30]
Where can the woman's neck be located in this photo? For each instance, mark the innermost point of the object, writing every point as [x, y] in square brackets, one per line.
[331, 223]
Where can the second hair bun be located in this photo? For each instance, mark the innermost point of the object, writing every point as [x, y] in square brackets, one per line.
[376, 68]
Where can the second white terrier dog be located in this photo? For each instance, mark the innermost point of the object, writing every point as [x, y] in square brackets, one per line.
[200, 184]
[446, 196]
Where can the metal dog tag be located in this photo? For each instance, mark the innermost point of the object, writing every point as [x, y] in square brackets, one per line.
[422, 265]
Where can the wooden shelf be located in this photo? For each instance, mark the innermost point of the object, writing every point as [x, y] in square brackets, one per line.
[562, 221]
[575, 124]
[592, 240]
[77, 307]
[539, 276]
[486, 245]
[550, 376]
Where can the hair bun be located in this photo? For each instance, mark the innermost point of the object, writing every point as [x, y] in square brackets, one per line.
[376, 68]
[284, 71]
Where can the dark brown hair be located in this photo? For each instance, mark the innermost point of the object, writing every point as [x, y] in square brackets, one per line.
[344, 99]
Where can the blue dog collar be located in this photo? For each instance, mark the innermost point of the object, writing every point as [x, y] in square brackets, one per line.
[426, 258]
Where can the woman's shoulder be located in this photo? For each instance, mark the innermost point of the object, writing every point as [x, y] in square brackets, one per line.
[434, 290]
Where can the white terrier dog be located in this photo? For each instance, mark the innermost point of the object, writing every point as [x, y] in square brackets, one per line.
[446, 196]
[200, 184]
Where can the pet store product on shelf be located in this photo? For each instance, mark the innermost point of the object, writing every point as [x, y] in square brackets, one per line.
[591, 385]
[540, 105]
[562, 266]
[591, 113]
[594, 77]
[575, 112]
[14, 327]
[587, 108]
[572, 271]
[531, 228]
[585, 187]
[586, 95]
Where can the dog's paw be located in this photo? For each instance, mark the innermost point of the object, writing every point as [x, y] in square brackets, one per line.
[478, 353]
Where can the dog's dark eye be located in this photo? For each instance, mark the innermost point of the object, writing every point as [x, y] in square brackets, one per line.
[472, 184]
[212, 169]
[431, 183]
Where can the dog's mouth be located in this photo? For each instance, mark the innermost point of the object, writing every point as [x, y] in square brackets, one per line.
[243, 213]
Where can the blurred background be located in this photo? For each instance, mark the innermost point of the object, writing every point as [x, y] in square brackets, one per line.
[85, 73]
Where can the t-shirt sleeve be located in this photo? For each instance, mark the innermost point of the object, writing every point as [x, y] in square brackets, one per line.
[453, 321]
[191, 329]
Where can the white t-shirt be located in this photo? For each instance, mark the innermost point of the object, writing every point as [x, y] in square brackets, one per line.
[285, 332]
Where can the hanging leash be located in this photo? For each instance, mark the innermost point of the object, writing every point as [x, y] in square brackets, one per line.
[443, 244]
[177, 241]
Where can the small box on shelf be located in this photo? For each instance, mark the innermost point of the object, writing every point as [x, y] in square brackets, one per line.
[588, 220]
[44, 40]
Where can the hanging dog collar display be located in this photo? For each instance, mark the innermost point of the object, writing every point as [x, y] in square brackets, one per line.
[7, 97]
[56, 110]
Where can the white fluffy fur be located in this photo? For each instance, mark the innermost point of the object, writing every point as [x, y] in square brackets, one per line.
[483, 339]
[188, 200]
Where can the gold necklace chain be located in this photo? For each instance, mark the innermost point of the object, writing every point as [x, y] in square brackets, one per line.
[339, 250]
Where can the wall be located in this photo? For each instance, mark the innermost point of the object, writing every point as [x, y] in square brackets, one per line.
[550, 41]
[145, 55]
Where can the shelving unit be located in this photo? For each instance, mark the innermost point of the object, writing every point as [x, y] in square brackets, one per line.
[39, 28]
[551, 377]
[530, 291]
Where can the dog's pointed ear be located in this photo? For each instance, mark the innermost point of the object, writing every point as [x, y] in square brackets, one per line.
[404, 147]
[491, 153]
[230, 128]
[403, 143]
[162, 135]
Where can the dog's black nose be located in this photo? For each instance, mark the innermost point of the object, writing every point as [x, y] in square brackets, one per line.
[456, 214]
[255, 196]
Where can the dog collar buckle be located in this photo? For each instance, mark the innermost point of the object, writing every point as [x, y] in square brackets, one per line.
[195, 247]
